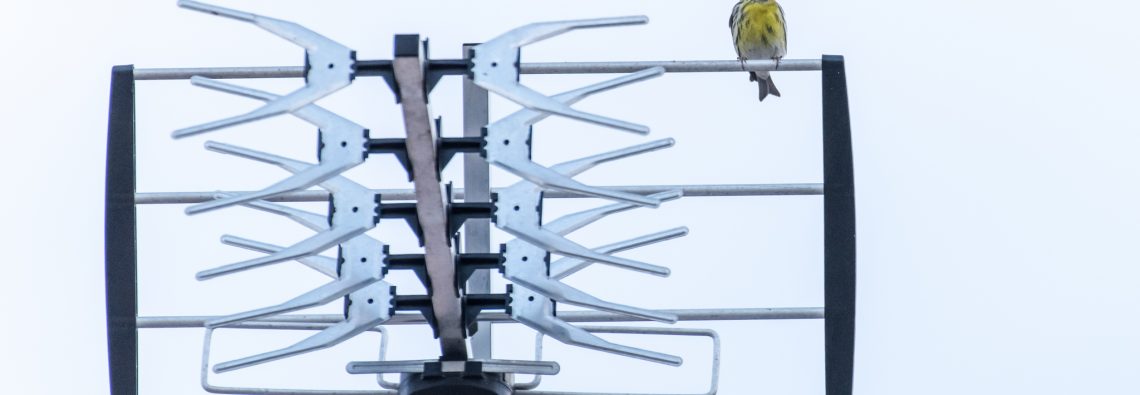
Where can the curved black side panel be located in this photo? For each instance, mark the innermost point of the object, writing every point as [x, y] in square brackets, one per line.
[839, 230]
[119, 235]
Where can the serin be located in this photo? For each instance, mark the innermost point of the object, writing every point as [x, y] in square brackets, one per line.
[759, 32]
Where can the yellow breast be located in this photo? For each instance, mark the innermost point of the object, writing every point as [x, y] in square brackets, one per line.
[761, 26]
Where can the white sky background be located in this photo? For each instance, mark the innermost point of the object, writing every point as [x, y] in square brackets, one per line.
[995, 178]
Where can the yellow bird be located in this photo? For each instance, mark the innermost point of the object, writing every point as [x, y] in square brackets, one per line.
[759, 32]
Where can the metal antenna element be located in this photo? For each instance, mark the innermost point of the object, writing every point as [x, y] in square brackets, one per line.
[525, 259]
[356, 210]
[518, 213]
[363, 264]
[495, 67]
[367, 308]
[343, 146]
[517, 128]
[323, 264]
[331, 67]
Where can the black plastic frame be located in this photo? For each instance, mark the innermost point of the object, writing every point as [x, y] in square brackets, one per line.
[838, 230]
[119, 236]
[121, 259]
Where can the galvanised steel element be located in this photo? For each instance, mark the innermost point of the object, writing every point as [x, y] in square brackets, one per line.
[320, 263]
[508, 144]
[330, 67]
[566, 266]
[343, 146]
[683, 315]
[204, 371]
[460, 193]
[363, 264]
[494, 66]
[671, 66]
[525, 265]
[489, 366]
[714, 376]
[477, 180]
[356, 210]
[367, 308]
[430, 210]
[517, 212]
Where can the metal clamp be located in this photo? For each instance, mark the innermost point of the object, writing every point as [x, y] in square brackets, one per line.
[495, 67]
[356, 209]
[330, 67]
[343, 145]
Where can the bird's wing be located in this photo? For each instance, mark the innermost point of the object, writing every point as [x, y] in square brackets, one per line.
[733, 21]
[784, 24]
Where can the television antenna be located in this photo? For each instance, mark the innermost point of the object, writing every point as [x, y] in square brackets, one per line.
[459, 307]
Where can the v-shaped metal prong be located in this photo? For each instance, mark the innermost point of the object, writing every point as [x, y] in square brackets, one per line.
[368, 308]
[332, 67]
[363, 265]
[343, 146]
[566, 266]
[323, 264]
[516, 158]
[356, 211]
[495, 68]
[534, 310]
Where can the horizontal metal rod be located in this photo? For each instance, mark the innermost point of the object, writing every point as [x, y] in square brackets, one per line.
[784, 313]
[408, 194]
[671, 66]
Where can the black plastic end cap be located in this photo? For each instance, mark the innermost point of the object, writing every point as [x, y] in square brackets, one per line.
[407, 45]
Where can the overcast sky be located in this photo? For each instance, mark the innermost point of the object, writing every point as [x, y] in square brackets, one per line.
[996, 181]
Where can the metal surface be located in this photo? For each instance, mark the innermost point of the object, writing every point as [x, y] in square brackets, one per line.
[214, 389]
[331, 67]
[120, 252]
[477, 181]
[489, 366]
[363, 264]
[421, 144]
[671, 66]
[367, 308]
[343, 145]
[518, 127]
[355, 212]
[460, 193]
[494, 66]
[711, 334]
[838, 230]
[564, 267]
[683, 315]
[519, 213]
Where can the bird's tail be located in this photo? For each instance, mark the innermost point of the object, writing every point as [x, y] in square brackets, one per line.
[767, 86]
